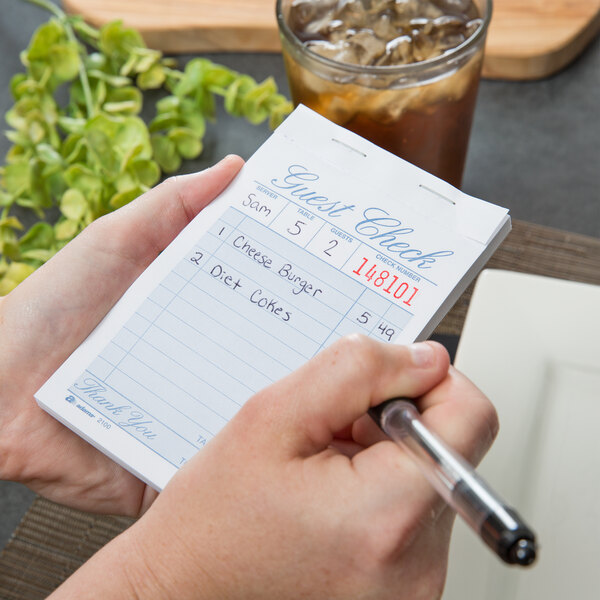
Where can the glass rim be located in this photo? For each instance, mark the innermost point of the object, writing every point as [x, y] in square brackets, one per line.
[410, 68]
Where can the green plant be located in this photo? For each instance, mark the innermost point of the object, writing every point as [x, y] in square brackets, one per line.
[95, 153]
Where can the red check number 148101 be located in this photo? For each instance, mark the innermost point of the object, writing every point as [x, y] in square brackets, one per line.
[390, 284]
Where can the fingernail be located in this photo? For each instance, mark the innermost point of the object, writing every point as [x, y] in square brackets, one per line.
[423, 355]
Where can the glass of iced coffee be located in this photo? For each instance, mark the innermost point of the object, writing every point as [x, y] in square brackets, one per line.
[401, 73]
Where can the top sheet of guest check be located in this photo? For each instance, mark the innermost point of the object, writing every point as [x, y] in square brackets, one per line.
[321, 234]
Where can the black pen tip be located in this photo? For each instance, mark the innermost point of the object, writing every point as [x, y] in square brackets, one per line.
[523, 552]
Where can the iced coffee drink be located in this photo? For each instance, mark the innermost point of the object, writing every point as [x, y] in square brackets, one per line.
[401, 73]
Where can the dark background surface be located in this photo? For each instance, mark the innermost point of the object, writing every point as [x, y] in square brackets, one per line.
[535, 148]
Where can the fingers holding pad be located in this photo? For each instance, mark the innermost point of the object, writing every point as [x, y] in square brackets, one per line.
[341, 383]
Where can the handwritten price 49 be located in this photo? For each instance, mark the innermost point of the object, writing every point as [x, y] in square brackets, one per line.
[390, 284]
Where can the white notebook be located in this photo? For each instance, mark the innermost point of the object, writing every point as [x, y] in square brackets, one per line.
[321, 234]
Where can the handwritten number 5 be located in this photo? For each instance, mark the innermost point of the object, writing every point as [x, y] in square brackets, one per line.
[364, 318]
[298, 228]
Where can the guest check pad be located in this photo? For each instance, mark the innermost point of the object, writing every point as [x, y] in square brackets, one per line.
[320, 235]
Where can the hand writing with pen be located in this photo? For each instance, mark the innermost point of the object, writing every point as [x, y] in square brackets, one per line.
[299, 496]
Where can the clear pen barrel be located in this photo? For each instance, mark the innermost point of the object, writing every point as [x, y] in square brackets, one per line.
[452, 477]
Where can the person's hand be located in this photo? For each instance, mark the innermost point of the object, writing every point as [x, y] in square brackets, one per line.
[46, 317]
[301, 497]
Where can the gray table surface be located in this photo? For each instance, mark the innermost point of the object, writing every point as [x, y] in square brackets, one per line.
[535, 148]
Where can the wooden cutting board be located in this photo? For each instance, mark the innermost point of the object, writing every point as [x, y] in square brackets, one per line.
[528, 39]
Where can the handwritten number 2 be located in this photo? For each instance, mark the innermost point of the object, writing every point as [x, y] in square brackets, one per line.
[333, 243]
[298, 228]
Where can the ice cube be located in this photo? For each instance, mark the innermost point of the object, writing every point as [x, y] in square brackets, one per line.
[406, 9]
[456, 7]
[424, 24]
[351, 12]
[448, 41]
[368, 47]
[383, 26]
[472, 26]
[304, 12]
[340, 107]
[423, 46]
[386, 107]
[338, 32]
[448, 22]
[342, 51]
[378, 6]
[398, 51]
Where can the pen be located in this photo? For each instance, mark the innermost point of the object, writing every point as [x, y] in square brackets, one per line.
[498, 525]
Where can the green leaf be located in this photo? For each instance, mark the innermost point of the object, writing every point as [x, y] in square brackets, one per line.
[146, 61]
[38, 255]
[169, 104]
[23, 87]
[165, 153]
[16, 86]
[111, 138]
[192, 78]
[120, 107]
[187, 142]
[65, 61]
[83, 179]
[95, 61]
[235, 92]
[253, 103]
[74, 149]
[129, 65]
[14, 274]
[131, 133]
[101, 149]
[6, 199]
[16, 178]
[73, 204]
[17, 138]
[49, 109]
[218, 77]
[117, 41]
[122, 198]
[126, 181]
[45, 37]
[114, 80]
[89, 33]
[71, 125]
[48, 154]
[165, 121]
[36, 132]
[66, 229]
[151, 79]
[146, 172]
[132, 154]
[37, 184]
[40, 235]
[126, 100]
[99, 91]
[10, 223]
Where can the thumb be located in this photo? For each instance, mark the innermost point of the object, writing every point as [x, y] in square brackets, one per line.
[306, 409]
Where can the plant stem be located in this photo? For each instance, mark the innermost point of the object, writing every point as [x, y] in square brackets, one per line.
[62, 17]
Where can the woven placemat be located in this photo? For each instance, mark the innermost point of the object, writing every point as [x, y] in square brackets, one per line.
[49, 544]
[53, 541]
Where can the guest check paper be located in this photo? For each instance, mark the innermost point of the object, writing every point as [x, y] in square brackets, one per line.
[320, 235]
